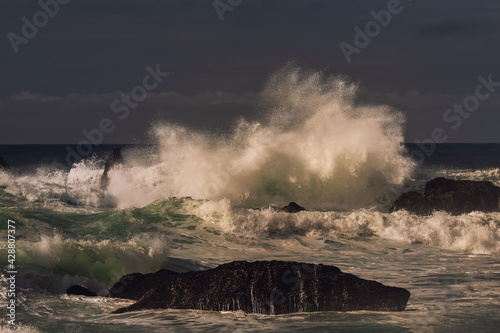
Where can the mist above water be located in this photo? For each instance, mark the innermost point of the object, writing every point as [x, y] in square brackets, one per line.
[314, 145]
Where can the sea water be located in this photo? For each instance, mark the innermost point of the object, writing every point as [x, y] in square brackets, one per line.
[192, 200]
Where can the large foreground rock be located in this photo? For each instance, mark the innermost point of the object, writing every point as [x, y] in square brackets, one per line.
[268, 287]
[453, 196]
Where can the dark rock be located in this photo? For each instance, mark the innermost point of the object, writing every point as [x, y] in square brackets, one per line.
[453, 196]
[270, 287]
[114, 159]
[292, 207]
[4, 166]
[79, 290]
[134, 286]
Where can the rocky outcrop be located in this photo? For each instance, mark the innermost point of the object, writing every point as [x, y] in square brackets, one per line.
[4, 166]
[292, 207]
[134, 286]
[114, 159]
[453, 196]
[267, 287]
[79, 290]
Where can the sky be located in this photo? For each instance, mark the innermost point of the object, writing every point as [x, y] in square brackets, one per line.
[65, 66]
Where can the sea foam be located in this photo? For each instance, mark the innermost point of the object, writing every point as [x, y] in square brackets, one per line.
[476, 232]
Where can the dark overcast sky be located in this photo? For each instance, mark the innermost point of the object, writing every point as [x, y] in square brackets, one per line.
[64, 79]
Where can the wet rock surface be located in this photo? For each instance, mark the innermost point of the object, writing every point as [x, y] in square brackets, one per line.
[267, 287]
[453, 196]
[113, 160]
[79, 290]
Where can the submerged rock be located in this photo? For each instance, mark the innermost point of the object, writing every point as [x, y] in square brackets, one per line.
[453, 196]
[4, 166]
[79, 290]
[114, 159]
[292, 207]
[267, 287]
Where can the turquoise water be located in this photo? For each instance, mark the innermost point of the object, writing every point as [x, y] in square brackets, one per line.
[452, 290]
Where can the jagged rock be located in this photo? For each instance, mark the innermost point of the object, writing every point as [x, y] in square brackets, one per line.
[269, 287]
[79, 290]
[292, 207]
[114, 159]
[4, 166]
[453, 196]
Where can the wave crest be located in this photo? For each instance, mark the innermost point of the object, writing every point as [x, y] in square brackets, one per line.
[476, 232]
[315, 146]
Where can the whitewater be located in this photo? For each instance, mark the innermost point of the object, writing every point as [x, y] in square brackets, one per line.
[191, 200]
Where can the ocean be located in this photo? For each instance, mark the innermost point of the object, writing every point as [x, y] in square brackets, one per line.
[68, 232]
[191, 200]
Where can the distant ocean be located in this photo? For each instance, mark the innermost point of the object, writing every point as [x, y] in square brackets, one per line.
[70, 232]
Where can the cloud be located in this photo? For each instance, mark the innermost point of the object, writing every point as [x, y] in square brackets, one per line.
[65, 78]
[161, 99]
[206, 98]
[28, 96]
[29, 117]
[447, 28]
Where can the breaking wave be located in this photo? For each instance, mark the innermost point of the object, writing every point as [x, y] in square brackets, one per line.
[314, 146]
[476, 232]
[55, 262]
